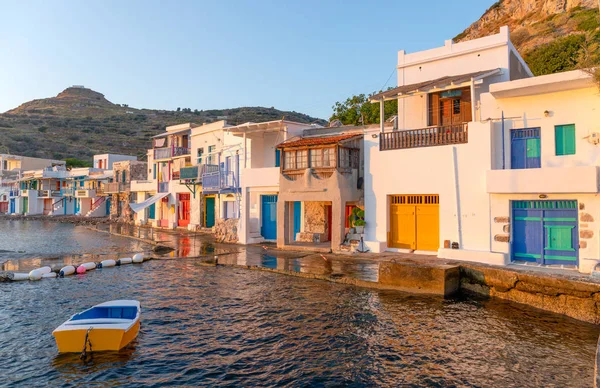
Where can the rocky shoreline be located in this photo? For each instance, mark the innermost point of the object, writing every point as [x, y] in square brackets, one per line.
[69, 219]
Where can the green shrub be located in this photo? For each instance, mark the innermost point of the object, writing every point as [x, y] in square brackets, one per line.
[559, 55]
[43, 128]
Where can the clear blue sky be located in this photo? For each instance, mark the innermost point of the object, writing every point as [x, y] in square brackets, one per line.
[301, 55]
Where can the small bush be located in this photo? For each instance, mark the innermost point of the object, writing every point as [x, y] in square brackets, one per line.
[43, 128]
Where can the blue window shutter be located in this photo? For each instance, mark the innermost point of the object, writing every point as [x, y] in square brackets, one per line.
[277, 157]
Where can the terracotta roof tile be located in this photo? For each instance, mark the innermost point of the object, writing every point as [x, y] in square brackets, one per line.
[321, 140]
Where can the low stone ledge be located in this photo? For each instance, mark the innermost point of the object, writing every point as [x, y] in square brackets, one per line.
[574, 298]
[441, 279]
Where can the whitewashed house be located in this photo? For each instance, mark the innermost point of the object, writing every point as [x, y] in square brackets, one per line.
[425, 182]
[260, 176]
[544, 178]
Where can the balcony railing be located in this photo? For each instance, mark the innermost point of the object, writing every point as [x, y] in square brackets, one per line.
[117, 187]
[170, 152]
[50, 193]
[219, 180]
[188, 173]
[425, 137]
[163, 187]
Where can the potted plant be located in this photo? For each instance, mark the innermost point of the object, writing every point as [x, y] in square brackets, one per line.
[357, 220]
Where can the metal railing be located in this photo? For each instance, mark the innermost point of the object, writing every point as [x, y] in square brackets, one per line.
[425, 137]
[117, 187]
[188, 173]
[170, 152]
[163, 187]
[219, 180]
[68, 192]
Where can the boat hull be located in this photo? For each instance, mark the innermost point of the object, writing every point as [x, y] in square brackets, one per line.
[102, 339]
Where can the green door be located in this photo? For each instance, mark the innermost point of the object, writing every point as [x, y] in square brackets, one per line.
[25, 205]
[210, 212]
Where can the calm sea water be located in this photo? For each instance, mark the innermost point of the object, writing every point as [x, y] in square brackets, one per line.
[28, 238]
[207, 326]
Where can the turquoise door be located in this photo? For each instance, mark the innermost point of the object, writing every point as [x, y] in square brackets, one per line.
[297, 219]
[151, 211]
[12, 206]
[77, 206]
[64, 205]
[269, 217]
[107, 205]
[210, 212]
[525, 148]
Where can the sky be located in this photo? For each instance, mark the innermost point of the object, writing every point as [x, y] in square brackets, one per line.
[292, 55]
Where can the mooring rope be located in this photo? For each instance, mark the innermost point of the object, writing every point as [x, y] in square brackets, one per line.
[84, 353]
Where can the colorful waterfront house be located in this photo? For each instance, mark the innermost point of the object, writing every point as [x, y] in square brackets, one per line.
[12, 165]
[160, 200]
[321, 178]
[119, 192]
[85, 192]
[106, 161]
[425, 180]
[544, 178]
[213, 178]
[259, 161]
[41, 191]
[9, 191]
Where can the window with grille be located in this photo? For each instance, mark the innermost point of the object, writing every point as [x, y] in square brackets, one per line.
[301, 159]
[199, 155]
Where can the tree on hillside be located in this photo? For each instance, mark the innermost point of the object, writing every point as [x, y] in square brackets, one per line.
[556, 56]
[74, 163]
[357, 110]
[589, 56]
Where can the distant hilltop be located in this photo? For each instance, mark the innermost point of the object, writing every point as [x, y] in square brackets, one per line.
[80, 122]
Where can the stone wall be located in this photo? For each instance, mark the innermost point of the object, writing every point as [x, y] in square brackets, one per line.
[134, 170]
[126, 214]
[574, 297]
[315, 219]
[226, 230]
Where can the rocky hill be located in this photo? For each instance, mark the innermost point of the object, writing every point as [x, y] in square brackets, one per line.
[550, 34]
[81, 122]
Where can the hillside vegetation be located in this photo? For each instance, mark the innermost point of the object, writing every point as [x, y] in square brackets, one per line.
[551, 35]
[80, 122]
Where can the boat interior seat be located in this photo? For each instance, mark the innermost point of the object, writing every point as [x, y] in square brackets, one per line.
[108, 312]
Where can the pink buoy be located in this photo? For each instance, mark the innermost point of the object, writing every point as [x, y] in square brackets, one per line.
[81, 269]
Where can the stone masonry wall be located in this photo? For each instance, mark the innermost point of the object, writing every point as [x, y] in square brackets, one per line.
[226, 230]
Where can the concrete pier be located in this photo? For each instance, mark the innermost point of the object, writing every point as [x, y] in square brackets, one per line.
[410, 276]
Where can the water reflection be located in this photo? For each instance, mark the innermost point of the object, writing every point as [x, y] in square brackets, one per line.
[223, 326]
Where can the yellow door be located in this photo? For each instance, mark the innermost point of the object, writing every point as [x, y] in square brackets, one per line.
[428, 227]
[402, 226]
[414, 222]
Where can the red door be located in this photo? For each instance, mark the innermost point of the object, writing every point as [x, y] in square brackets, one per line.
[183, 218]
[47, 206]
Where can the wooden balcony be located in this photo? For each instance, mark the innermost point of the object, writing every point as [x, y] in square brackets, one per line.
[170, 152]
[425, 137]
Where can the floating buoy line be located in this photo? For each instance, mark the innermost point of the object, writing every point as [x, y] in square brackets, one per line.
[47, 272]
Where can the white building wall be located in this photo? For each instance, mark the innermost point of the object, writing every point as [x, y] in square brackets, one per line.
[456, 173]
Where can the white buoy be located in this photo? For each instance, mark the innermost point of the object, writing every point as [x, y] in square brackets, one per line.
[89, 265]
[66, 271]
[138, 258]
[107, 263]
[35, 275]
[44, 270]
[49, 275]
[20, 276]
[126, 260]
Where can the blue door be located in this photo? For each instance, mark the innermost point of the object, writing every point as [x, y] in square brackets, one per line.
[545, 232]
[525, 148]
[12, 205]
[269, 217]
[297, 217]
[64, 205]
[108, 205]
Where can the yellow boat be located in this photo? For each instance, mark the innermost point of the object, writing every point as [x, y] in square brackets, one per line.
[106, 326]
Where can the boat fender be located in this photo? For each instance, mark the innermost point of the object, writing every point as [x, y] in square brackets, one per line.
[44, 270]
[81, 269]
[88, 266]
[35, 275]
[126, 260]
[107, 263]
[20, 276]
[138, 258]
[49, 275]
[66, 271]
